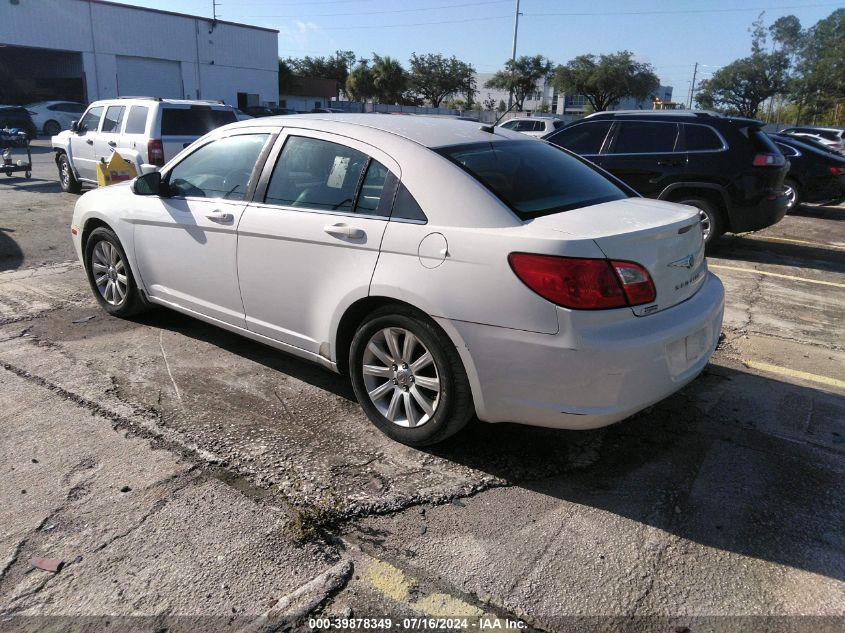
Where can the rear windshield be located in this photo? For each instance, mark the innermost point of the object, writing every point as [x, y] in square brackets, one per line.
[193, 121]
[532, 177]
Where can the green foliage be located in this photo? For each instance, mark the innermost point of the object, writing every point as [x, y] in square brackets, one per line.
[285, 76]
[820, 71]
[360, 83]
[742, 86]
[606, 79]
[334, 67]
[389, 79]
[434, 77]
[520, 77]
[502, 106]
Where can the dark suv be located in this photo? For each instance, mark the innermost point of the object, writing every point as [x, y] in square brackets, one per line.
[726, 167]
[17, 117]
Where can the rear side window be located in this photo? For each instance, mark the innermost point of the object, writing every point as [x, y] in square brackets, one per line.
[533, 179]
[584, 138]
[405, 207]
[700, 138]
[193, 121]
[136, 123]
[645, 137]
[91, 121]
[317, 174]
[113, 119]
[761, 141]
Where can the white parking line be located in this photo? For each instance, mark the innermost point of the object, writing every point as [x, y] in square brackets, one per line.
[793, 373]
[754, 271]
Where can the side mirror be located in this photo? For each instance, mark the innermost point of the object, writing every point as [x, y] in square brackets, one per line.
[148, 185]
[74, 127]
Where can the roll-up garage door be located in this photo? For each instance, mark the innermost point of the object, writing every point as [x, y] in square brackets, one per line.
[145, 77]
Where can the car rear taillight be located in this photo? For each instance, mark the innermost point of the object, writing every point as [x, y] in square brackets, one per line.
[835, 170]
[155, 152]
[769, 160]
[584, 283]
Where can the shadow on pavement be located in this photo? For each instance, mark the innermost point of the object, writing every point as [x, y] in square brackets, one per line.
[822, 212]
[762, 251]
[11, 255]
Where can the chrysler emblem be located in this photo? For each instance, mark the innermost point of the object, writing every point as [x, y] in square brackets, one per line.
[685, 262]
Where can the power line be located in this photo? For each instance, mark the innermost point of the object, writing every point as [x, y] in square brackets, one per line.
[366, 13]
[683, 11]
[391, 26]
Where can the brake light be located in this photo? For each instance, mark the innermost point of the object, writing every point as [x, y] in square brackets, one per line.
[836, 171]
[769, 160]
[584, 283]
[155, 152]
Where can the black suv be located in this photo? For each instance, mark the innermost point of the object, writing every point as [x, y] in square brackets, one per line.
[17, 117]
[727, 167]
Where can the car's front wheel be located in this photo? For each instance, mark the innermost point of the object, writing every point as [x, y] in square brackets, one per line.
[68, 181]
[409, 378]
[110, 276]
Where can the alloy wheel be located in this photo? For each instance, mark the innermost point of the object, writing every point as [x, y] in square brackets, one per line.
[791, 197]
[401, 377]
[705, 224]
[109, 272]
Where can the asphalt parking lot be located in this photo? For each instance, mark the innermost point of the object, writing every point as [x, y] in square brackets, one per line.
[177, 469]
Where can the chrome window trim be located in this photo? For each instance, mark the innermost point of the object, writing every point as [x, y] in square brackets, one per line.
[346, 214]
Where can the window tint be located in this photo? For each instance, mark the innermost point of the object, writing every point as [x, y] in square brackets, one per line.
[532, 178]
[701, 138]
[642, 137]
[114, 116]
[316, 174]
[373, 189]
[584, 138]
[557, 124]
[510, 125]
[406, 207]
[193, 121]
[220, 169]
[91, 119]
[136, 122]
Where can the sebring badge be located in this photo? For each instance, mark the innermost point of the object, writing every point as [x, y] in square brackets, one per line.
[685, 262]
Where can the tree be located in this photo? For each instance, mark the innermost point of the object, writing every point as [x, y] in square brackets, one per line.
[360, 84]
[285, 75]
[820, 66]
[520, 77]
[334, 67]
[743, 85]
[435, 77]
[389, 79]
[606, 79]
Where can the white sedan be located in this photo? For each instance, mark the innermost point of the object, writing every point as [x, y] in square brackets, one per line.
[450, 269]
[51, 117]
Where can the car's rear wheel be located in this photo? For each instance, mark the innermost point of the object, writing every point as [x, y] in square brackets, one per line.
[51, 128]
[408, 377]
[793, 195]
[68, 181]
[110, 276]
[711, 219]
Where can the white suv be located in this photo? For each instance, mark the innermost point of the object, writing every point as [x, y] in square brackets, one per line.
[147, 131]
[533, 126]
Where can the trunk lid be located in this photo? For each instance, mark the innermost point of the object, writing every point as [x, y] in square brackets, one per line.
[663, 237]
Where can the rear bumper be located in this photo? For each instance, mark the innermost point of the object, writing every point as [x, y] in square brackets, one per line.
[597, 370]
[759, 216]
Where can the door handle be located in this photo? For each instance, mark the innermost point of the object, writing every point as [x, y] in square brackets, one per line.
[112, 144]
[89, 141]
[220, 216]
[342, 230]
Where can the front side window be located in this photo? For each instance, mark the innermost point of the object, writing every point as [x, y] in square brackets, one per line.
[372, 196]
[645, 137]
[220, 169]
[533, 178]
[91, 121]
[584, 138]
[136, 122]
[113, 119]
[316, 174]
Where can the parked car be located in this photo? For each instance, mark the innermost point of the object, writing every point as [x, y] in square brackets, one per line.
[262, 111]
[12, 116]
[326, 111]
[242, 116]
[533, 126]
[449, 270]
[828, 136]
[51, 117]
[815, 175]
[726, 167]
[146, 131]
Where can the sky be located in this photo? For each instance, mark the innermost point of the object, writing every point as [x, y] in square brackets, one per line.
[672, 35]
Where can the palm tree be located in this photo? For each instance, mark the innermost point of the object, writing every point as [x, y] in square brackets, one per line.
[389, 79]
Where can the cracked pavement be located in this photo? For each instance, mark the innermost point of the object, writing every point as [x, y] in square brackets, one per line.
[183, 471]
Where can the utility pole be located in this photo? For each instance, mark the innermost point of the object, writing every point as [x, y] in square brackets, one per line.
[214, 5]
[692, 86]
[513, 53]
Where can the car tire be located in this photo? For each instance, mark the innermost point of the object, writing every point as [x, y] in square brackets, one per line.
[398, 380]
[793, 195]
[51, 128]
[110, 275]
[711, 218]
[67, 180]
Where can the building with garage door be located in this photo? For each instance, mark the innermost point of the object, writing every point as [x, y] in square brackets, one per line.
[85, 50]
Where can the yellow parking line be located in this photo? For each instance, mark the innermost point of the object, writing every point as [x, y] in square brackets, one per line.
[764, 238]
[754, 271]
[792, 373]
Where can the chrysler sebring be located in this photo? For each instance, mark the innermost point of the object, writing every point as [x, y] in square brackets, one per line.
[450, 269]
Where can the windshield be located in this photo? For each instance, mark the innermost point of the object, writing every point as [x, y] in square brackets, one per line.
[534, 178]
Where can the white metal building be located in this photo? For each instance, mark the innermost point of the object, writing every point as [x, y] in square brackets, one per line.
[94, 49]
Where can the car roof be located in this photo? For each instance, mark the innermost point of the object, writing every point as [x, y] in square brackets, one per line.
[703, 116]
[429, 132]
